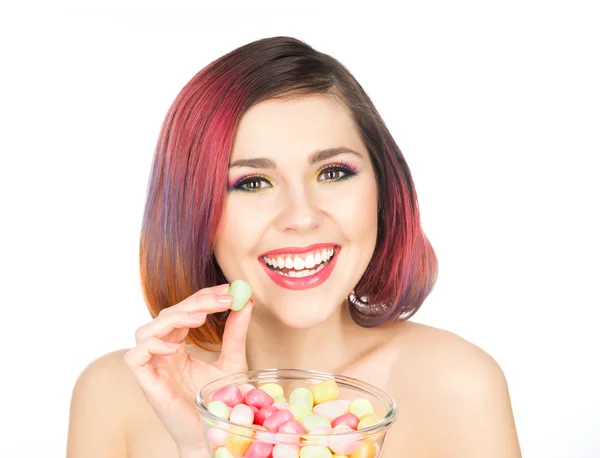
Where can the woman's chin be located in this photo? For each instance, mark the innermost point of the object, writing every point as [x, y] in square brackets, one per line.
[300, 317]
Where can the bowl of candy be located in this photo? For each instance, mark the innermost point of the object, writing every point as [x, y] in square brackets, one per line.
[292, 413]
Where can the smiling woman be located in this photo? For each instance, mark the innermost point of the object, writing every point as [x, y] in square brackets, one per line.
[315, 203]
[274, 167]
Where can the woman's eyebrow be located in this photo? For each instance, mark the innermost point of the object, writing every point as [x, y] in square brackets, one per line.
[315, 157]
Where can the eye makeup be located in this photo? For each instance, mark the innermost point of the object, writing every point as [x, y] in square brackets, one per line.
[238, 184]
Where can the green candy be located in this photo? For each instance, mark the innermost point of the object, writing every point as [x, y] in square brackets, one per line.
[222, 452]
[280, 399]
[303, 397]
[220, 409]
[311, 422]
[315, 451]
[241, 292]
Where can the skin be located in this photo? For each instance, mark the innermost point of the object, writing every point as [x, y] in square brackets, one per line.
[452, 397]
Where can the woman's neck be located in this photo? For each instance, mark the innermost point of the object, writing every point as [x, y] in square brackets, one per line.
[328, 347]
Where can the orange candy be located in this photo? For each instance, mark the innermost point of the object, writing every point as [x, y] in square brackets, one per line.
[238, 445]
[366, 450]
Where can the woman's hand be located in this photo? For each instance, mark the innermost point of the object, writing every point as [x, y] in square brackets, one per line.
[170, 378]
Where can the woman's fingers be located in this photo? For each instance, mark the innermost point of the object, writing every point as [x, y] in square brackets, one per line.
[191, 312]
[167, 323]
[138, 358]
[218, 289]
[209, 302]
[233, 351]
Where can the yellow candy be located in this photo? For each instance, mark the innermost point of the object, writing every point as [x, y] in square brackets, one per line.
[325, 391]
[339, 456]
[272, 389]
[368, 420]
[299, 412]
[238, 445]
[366, 450]
[361, 407]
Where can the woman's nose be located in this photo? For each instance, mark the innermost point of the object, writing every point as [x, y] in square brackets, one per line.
[299, 212]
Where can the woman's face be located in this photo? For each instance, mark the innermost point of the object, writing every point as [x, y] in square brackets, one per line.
[300, 216]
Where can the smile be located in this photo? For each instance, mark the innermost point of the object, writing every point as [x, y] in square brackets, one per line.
[300, 268]
[300, 265]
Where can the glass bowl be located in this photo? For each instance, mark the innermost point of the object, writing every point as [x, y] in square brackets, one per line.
[226, 439]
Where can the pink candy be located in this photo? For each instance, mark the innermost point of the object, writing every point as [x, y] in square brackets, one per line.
[277, 419]
[348, 419]
[331, 409]
[292, 427]
[230, 395]
[278, 434]
[322, 441]
[281, 405]
[264, 413]
[245, 387]
[242, 415]
[257, 398]
[259, 450]
[344, 445]
[217, 436]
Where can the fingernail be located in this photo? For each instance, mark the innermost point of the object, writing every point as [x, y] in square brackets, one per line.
[225, 299]
[223, 289]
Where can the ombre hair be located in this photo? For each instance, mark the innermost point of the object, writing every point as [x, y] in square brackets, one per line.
[188, 182]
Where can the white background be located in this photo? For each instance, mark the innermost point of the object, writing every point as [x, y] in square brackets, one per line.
[496, 107]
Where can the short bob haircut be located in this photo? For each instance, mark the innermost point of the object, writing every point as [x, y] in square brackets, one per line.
[188, 182]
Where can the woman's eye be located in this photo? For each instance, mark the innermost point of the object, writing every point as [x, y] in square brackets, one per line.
[334, 174]
[253, 184]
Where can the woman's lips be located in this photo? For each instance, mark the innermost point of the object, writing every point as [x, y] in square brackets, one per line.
[299, 283]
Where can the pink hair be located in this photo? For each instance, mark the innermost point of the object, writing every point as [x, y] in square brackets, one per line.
[188, 182]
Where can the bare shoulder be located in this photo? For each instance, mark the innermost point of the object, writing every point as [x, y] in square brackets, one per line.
[100, 404]
[109, 415]
[444, 352]
[457, 392]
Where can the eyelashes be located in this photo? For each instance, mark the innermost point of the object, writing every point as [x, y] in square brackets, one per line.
[259, 182]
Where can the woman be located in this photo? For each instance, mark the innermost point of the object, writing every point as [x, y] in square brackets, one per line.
[273, 166]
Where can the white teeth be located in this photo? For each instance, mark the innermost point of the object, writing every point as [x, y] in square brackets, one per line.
[318, 257]
[309, 262]
[298, 263]
[289, 264]
[304, 273]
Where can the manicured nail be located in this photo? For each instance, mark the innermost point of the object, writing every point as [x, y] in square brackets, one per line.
[225, 299]
[224, 289]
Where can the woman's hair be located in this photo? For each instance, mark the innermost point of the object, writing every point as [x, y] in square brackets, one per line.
[188, 183]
